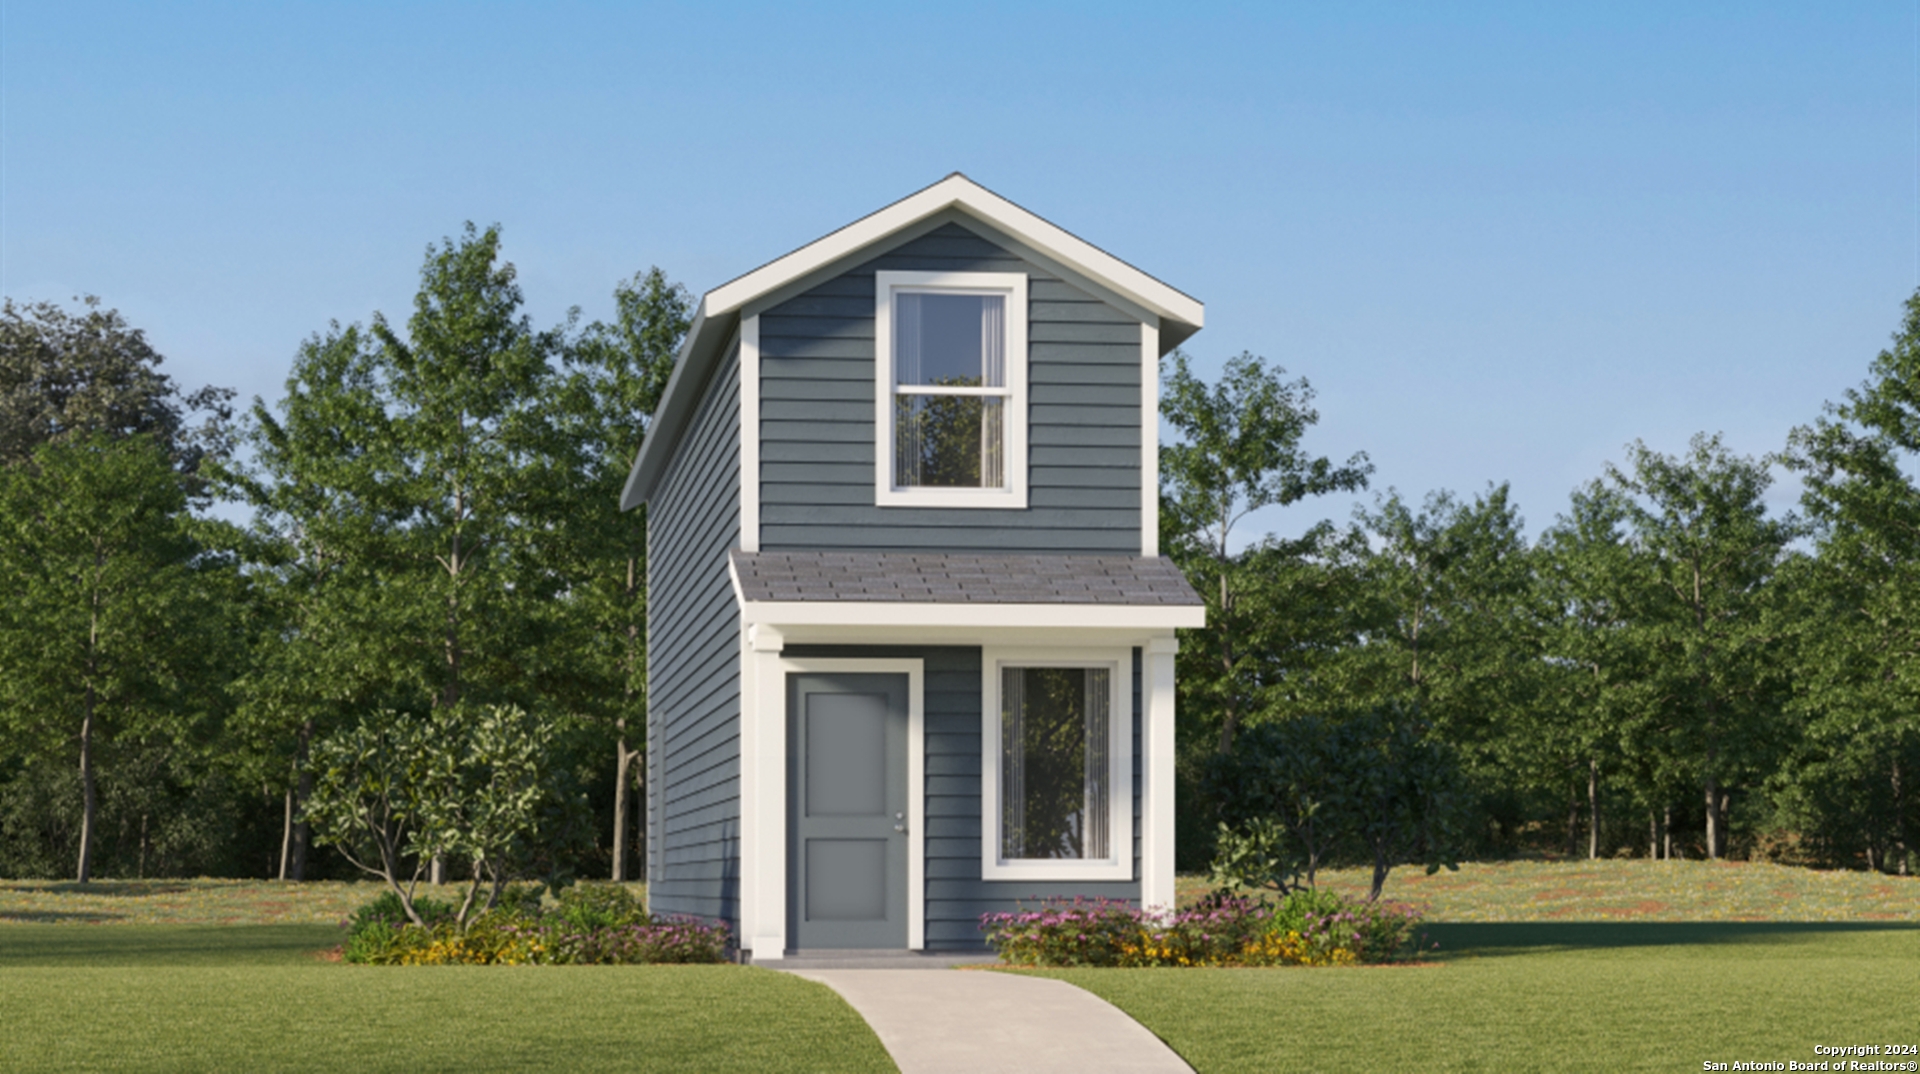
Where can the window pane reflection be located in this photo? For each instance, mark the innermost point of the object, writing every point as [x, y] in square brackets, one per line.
[1054, 763]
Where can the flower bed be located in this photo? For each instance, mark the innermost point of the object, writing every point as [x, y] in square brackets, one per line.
[1306, 928]
[597, 924]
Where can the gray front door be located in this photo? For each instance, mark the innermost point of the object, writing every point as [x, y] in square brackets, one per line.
[847, 808]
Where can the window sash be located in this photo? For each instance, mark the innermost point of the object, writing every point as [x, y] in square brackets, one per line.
[1083, 834]
[943, 352]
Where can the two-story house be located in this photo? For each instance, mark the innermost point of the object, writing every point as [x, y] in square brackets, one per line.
[910, 642]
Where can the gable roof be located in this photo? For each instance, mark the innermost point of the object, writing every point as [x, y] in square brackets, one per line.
[719, 311]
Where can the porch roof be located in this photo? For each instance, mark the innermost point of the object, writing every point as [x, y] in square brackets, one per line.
[959, 578]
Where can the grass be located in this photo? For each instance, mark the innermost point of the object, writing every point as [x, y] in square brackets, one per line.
[259, 997]
[1633, 890]
[1546, 996]
[197, 902]
[1611, 965]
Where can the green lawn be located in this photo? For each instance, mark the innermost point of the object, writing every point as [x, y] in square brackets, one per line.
[161, 997]
[1597, 996]
[1633, 890]
[199, 901]
[1611, 965]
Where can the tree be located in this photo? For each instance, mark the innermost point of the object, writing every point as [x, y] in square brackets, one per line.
[108, 628]
[616, 374]
[475, 485]
[1596, 701]
[395, 792]
[1445, 621]
[64, 374]
[1375, 783]
[1858, 673]
[1407, 794]
[1701, 531]
[408, 500]
[314, 549]
[1283, 799]
[1239, 451]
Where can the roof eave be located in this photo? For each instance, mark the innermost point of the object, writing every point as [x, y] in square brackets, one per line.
[704, 339]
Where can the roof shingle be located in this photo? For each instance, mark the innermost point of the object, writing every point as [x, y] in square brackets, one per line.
[960, 578]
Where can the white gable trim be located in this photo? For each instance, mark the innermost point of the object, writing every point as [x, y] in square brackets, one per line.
[958, 191]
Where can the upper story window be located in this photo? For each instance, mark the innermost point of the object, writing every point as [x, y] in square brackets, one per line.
[952, 389]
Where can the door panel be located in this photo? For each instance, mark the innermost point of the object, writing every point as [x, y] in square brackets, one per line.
[846, 879]
[847, 804]
[846, 754]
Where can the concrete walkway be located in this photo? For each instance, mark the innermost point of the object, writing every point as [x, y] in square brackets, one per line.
[962, 1022]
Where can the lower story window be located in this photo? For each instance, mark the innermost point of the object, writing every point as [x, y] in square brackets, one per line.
[1060, 802]
[1053, 762]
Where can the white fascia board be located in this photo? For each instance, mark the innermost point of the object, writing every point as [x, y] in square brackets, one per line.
[957, 191]
[708, 341]
[974, 616]
[668, 418]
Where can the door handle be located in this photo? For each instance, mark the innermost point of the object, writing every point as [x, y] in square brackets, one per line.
[900, 822]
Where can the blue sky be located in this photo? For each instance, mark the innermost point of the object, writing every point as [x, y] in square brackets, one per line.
[1500, 240]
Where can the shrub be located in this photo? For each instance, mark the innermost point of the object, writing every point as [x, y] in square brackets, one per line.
[1085, 932]
[521, 899]
[1306, 928]
[600, 905]
[588, 928]
[1315, 928]
[388, 909]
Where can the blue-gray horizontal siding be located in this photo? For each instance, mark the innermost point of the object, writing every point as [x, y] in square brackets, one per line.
[693, 666]
[956, 896]
[817, 418]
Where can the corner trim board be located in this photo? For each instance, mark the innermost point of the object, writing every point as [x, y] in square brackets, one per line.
[750, 434]
[1150, 439]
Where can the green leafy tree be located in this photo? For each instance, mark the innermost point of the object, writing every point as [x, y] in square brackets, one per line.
[1597, 703]
[317, 483]
[1701, 530]
[1407, 797]
[1443, 630]
[110, 628]
[1374, 784]
[408, 499]
[395, 792]
[1238, 450]
[1283, 790]
[66, 374]
[615, 375]
[1850, 783]
[476, 479]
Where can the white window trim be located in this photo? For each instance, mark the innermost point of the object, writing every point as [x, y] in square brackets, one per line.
[1014, 286]
[1119, 866]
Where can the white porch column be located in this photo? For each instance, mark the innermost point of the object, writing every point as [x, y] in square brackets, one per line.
[1156, 821]
[763, 795]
